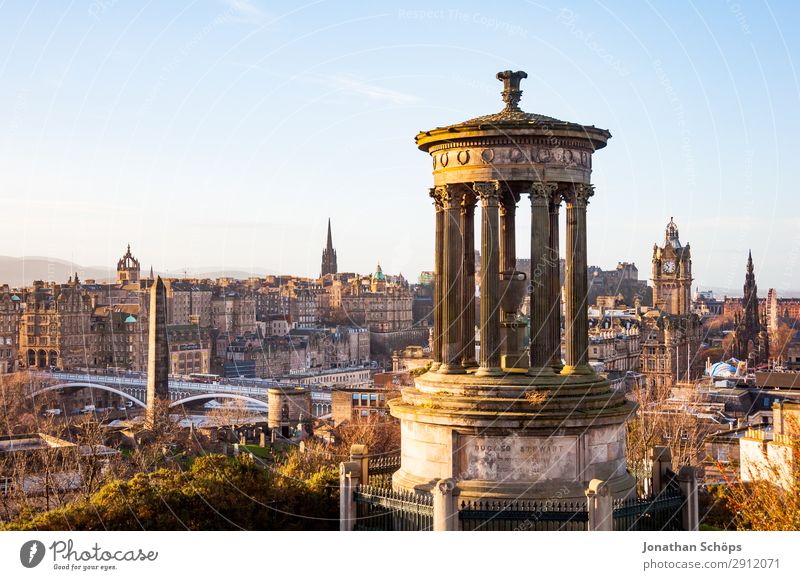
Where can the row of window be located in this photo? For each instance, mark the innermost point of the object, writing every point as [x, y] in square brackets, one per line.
[367, 399]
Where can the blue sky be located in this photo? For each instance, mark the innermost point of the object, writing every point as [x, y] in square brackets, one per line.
[224, 133]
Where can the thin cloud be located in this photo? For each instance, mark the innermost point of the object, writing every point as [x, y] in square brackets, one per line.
[245, 11]
[360, 88]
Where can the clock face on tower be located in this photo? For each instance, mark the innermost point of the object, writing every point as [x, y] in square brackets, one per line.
[668, 267]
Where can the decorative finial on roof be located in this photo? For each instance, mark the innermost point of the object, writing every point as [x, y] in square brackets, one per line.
[511, 91]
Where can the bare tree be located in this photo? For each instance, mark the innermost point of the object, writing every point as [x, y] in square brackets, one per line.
[780, 340]
[381, 434]
[662, 419]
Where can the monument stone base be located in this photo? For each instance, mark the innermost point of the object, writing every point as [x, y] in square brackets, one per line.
[513, 437]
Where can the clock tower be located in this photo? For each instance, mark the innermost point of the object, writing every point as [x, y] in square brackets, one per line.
[672, 274]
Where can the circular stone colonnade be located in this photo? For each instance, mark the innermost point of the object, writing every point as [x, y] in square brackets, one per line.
[511, 423]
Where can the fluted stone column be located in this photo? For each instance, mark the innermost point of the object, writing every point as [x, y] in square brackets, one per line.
[577, 319]
[468, 281]
[436, 343]
[452, 268]
[554, 287]
[489, 194]
[508, 235]
[510, 347]
[540, 355]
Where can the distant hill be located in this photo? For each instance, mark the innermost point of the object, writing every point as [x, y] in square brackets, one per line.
[19, 272]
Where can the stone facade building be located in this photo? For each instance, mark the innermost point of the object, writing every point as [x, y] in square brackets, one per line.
[10, 314]
[618, 348]
[189, 303]
[671, 332]
[190, 349]
[119, 337]
[358, 403]
[55, 327]
[233, 313]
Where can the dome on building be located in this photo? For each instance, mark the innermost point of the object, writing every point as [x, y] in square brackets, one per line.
[721, 370]
[379, 275]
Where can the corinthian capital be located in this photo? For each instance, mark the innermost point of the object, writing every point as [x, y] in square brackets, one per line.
[487, 191]
[449, 195]
[542, 192]
[436, 195]
[579, 194]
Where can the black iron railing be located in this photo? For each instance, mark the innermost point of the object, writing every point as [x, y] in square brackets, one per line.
[378, 507]
[381, 468]
[523, 516]
[662, 511]
[383, 509]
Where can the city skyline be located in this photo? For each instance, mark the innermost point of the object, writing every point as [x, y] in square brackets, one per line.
[161, 127]
[58, 268]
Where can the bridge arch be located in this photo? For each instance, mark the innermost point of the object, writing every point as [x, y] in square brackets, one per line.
[218, 396]
[90, 386]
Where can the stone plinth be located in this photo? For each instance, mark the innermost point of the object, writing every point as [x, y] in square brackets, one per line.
[506, 438]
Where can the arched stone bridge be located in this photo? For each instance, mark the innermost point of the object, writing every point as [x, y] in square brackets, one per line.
[133, 388]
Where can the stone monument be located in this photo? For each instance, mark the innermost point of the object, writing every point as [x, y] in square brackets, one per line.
[511, 424]
[157, 351]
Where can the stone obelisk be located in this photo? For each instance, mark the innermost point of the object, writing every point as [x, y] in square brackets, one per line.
[157, 351]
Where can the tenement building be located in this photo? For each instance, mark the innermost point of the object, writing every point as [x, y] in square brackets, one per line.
[383, 305]
[118, 337]
[55, 327]
[499, 424]
[233, 313]
[189, 302]
[671, 331]
[10, 312]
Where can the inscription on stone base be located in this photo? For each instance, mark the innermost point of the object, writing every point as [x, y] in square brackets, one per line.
[516, 458]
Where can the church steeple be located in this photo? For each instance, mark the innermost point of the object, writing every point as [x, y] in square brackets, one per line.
[328, 256]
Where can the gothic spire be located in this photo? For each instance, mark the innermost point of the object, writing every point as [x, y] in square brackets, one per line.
[328, 256]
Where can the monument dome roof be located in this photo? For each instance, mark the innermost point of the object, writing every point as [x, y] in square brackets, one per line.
[513, 118]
